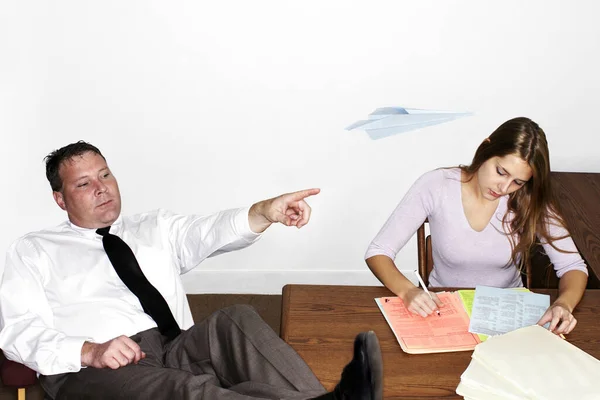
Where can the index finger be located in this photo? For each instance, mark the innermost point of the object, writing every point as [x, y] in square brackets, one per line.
[554, 322]
[436, 300]
[427, 303]
[302, 194]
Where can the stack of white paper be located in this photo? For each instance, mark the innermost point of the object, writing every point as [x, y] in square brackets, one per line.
[530, 363]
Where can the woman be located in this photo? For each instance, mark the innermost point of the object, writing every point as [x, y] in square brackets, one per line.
[484, 219]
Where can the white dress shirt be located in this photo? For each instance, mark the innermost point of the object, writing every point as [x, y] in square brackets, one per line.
[59, 288]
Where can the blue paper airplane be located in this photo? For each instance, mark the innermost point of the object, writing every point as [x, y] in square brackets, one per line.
[387, 121]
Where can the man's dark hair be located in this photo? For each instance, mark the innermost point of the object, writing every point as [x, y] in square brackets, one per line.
[57, 157]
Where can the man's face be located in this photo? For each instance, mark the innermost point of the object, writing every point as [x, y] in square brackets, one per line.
[90, 193]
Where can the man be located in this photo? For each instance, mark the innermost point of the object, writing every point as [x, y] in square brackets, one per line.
[103, 291]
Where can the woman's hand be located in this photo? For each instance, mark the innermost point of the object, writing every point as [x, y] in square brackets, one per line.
[560, 318]
[419, 302]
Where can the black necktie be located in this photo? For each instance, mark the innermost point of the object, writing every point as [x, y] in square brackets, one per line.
[128, 269]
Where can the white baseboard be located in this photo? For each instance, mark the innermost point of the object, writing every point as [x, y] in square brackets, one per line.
[269, 282]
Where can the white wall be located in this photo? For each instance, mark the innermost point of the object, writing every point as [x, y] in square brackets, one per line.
[200, 106]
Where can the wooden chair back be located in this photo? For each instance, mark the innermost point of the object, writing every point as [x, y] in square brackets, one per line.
[425, 260]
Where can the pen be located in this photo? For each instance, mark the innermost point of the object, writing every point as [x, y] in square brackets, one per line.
[425, 288]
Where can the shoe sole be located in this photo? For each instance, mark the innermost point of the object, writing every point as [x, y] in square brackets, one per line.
[375, 364]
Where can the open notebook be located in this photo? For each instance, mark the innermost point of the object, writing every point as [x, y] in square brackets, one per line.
[530, 363]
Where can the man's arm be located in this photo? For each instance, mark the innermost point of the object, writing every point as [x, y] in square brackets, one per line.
[27, 332]
[194, 238]
[289, 209]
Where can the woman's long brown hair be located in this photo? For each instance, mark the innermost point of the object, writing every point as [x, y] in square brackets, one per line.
[532, 208]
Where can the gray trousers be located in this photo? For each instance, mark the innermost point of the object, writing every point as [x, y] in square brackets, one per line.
[233, 355]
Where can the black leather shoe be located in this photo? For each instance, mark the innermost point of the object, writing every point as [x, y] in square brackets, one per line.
[362, 378]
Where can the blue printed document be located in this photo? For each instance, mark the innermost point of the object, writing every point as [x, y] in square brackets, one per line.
[497, 311]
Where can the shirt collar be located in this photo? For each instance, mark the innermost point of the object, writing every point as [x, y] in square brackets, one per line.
[115, 228]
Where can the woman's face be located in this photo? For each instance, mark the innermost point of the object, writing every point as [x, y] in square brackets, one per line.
[500, 176]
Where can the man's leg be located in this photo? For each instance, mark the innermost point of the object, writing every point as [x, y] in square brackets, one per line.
[139, 382]
[198, 365]
[245, 354]
[142, 382]
[152, 379]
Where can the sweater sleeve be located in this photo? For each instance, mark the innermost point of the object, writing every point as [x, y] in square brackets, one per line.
[411, 212]
[567, 257]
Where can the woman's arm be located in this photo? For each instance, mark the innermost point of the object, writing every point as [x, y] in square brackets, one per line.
[572, 272]
[386, 271]
[571, 288]
[415, 299]
[416, 205]
[560, 314]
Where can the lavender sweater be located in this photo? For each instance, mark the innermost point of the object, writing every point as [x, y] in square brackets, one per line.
[462, 257]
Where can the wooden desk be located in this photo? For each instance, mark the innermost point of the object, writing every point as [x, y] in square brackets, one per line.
[579, 197]
[320, 323]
